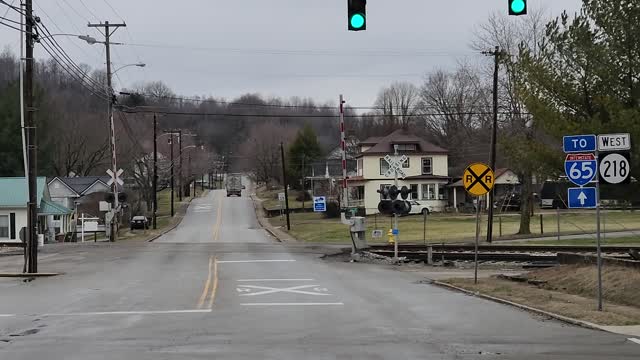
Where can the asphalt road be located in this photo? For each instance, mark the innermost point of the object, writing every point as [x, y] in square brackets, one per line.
[219, 288]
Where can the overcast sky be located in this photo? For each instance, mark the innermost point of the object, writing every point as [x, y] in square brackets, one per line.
[273, 47]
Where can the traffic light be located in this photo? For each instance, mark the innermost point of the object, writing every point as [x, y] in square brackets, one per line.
[357, 11]
[517, 7]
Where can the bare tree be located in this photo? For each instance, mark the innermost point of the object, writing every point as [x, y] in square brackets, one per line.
[262, 150]
[398, 104]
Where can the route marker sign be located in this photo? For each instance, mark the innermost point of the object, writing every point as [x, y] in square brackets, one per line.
[319, 204]
[615, 168]
[478, 179]
[614, 142]
[582, 198]
[581, 169]
[579, 143]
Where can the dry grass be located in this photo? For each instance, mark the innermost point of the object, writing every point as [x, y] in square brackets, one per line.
[571, 291]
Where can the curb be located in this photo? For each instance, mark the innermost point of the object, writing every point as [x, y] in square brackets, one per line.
[264, 222]
[28, 275]
[562, 318]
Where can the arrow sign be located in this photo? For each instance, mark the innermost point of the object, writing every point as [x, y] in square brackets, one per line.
[582, 198]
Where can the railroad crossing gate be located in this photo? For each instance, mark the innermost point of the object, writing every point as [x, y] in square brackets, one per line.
[478, 179]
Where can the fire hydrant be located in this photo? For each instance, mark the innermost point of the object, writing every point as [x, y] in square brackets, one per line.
[392, 238]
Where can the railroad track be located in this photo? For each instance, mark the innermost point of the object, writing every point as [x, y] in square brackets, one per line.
[532, 254]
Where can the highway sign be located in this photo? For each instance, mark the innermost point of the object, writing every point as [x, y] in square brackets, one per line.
[579, 143]
[478, 179]
[395, 165]
[582, 197]
[581, 169]
[613, 142]
[319, 204]
[615, 168]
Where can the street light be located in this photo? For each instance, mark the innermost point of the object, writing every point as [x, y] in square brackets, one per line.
[137, 64]
[89, 39]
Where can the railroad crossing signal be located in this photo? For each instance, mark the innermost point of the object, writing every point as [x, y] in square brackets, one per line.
[115, 177]
[478, 179]
[357, 14]
[395, 166]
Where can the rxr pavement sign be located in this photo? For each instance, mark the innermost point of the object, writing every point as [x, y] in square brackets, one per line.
[478, 179]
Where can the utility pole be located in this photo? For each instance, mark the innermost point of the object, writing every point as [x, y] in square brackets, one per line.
[171, 162]
[303, 190]
[189, 178]
[31, 248]
[180, 178]
[284, 182]
[154, 186]
[112, 135]
[494, 135]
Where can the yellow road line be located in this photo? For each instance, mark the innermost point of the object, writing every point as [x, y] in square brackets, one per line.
[214, 288]
[203, 297]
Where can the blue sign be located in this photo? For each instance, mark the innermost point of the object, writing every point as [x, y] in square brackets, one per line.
[583, 198]
[319, 204]
[579, 143]
[395, 232]
[581, 169]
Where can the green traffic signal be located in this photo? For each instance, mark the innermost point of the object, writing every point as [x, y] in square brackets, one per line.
[357, 21]
[517, 7]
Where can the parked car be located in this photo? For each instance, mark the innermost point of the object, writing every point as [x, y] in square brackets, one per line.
[419, 208]
[139, 222]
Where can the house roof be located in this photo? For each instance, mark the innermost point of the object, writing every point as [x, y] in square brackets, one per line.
[401, 136]
[52, 208]
[371, 140]
[82, 183]
[14, 192]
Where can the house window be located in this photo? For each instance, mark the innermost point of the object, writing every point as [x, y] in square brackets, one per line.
[443, 194]
[427, 166]
[384, 166]
[382, 187]
[428, 191]
[406, 147]
[4, 226]
[405, 165]
[56, 217]
[360, 167]
[414, 192]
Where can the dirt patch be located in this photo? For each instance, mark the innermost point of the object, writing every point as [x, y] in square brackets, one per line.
[570, 291]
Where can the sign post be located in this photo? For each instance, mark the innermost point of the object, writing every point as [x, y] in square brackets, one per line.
[478, 180]
[395, 169]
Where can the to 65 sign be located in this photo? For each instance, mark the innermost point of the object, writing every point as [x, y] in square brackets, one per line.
[614, 168]
[580, 168]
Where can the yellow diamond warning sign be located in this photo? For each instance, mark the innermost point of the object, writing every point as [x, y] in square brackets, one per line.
[478, 179]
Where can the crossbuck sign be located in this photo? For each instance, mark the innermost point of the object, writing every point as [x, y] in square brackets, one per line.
[395, 166]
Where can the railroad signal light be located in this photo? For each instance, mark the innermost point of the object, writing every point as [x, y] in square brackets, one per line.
[517, 7]
[357, 15]
[404, 193]
[393, 192]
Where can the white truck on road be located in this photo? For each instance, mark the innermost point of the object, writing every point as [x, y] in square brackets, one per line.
[234, 185]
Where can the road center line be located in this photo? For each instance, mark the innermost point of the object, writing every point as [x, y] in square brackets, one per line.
[250, 261]
[293, 304]
[214, 288]
[257, 280]
[637, 341]
[205, 291]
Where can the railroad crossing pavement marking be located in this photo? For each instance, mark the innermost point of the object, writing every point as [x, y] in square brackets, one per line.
[247, 290]
[203, 208]
[637, 341]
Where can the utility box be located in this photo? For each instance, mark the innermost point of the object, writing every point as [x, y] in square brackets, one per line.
[358, 230]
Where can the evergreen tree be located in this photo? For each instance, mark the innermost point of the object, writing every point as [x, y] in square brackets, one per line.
[304, 150]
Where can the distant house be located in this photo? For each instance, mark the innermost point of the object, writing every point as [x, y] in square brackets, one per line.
[67, 190]
[13, 209]
[426, 170]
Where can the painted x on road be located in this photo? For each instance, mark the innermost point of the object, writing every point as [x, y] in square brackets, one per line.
[272, 290]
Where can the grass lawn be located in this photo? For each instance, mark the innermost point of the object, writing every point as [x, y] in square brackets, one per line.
[271, 202]
[454, 228]
[570, 291]
[627, 240]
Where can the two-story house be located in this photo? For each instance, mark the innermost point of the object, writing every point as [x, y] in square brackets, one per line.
[426, 171]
